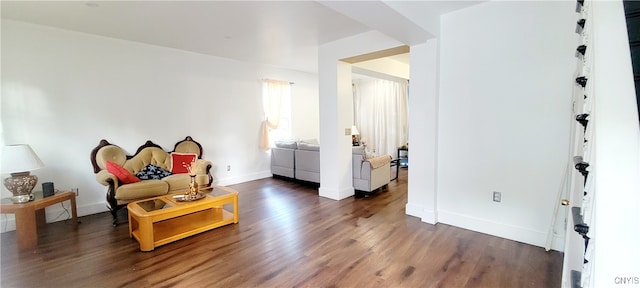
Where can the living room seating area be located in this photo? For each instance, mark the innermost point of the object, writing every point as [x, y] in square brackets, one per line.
[149, 172]
[301, 161]
[268, 243]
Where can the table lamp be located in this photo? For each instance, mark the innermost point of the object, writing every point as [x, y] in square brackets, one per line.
[354, 136]
[18, 160]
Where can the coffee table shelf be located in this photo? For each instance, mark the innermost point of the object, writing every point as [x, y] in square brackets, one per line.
[160, 220]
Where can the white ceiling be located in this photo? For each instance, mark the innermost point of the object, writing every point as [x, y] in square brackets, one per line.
[280, 33]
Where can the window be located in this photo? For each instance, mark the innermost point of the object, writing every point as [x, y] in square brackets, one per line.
[276, 99]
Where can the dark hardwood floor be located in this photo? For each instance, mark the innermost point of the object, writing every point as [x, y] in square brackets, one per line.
[287, 237]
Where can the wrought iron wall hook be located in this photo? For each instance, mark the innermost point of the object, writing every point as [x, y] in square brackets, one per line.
[579, 5]
[582, 119]
[582, 81]
[579, 226]
[582, 168]
[580, 26]
[582, 229]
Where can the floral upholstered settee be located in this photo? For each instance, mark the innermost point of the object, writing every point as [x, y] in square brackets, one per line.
[150, 172]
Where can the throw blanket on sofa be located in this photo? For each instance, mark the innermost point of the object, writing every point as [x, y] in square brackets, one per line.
[379, 161]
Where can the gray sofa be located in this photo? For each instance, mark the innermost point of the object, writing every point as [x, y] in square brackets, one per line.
[301, 161]
[296, 160]
[307, 162]
[282, 162]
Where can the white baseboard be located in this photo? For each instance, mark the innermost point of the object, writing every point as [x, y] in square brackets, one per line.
[346, 192]
[426, 215]
[515, 233]
[89, 209]
[558, 243]
[242, 178]
[55, 213]
[413, 210]
[335, 194]
[429, 216]
[7, 223]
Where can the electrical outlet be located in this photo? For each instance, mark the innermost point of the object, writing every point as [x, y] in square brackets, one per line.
[228, 167]
[497, 196]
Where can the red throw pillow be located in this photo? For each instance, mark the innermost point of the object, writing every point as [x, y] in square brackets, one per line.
[123, 175]
[180, 160]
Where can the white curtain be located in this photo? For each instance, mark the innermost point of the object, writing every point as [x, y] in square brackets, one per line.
[381, 112]
[273, 92]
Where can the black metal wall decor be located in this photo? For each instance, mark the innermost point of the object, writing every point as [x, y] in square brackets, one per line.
[582, 119]
[580, 25]
[582, 81]
[579, 5]
[632, 15]
[582, 168]
[581, 50]
[582, 161]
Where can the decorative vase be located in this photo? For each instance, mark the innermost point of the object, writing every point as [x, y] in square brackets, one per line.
[193, 187]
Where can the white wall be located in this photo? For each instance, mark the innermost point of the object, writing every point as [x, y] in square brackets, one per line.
[504, 114]
[63, 91]
[304, 105]
[616, 165]
[423, 132]
[336, 107]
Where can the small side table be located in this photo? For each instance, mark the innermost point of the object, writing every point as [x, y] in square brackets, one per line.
[396, 163]
[404, 162]
[31, 215]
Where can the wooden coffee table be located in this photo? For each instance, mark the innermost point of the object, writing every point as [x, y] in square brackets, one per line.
[161, 220]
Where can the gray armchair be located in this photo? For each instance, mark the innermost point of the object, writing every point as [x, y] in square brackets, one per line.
[369, 174]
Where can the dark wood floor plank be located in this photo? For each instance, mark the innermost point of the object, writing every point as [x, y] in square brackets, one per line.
[287, 237]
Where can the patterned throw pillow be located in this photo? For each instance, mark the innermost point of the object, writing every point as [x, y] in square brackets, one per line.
[152, 172]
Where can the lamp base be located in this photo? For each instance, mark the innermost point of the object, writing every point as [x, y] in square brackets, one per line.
[354, 140]
[21, 185]
[16, 199]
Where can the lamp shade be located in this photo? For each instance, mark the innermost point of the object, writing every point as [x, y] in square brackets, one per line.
[19, 158]
[354, 131]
